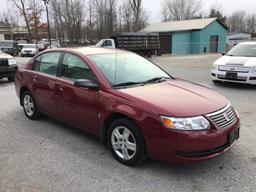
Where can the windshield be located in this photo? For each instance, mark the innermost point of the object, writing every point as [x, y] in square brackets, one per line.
[6, 44]
[127, 68]
[29, 46]
[243, 50]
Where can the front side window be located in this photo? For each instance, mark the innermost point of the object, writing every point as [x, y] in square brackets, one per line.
[108, 43]
[74, 68]
[47, 63]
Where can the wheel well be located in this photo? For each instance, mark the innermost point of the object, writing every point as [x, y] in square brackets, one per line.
[22, 90]
[111, 119]
[108, 121]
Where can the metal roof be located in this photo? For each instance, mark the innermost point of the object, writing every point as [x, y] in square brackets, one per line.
[185, 25]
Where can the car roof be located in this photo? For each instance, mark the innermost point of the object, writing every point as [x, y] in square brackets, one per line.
[92, 50]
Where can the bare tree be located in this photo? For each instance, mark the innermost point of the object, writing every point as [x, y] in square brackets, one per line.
[100, 13]
[237, 22]
[251, 23]
[20, 4]
[34, 14]
[139, 15]
[126, 16]
[176, 10]
[69, 16]
[216, 11]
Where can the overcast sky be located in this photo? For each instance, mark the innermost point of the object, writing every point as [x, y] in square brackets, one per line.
[153, 7]
[228, 6]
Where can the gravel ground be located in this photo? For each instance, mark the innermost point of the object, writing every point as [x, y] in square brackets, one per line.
[47, 156]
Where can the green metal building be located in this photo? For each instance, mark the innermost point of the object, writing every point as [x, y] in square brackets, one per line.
[190, 36]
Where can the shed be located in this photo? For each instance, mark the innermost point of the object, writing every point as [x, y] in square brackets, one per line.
[235, 38]
[190, 36]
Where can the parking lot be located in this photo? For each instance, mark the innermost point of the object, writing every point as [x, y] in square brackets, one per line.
[47, 155]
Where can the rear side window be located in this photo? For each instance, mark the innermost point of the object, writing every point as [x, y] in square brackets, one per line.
[108, 43]
[47, 63]
[74, 68]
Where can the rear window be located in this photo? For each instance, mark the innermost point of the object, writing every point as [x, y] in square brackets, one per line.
[47, 63]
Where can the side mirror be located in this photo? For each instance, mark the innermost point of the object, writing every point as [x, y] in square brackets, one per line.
[84, 83]
[223, 53]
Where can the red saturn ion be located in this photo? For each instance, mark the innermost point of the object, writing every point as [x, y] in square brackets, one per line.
[134, 106]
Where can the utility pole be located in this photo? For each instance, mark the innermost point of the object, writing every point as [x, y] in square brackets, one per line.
[46, 2]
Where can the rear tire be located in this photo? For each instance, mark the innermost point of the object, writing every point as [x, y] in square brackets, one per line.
[30, 106]
[126, 142]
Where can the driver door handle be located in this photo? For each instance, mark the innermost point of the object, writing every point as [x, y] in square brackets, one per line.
[35, 78]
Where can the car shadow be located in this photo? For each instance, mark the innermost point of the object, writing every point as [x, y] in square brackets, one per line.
[5, 82]
[90, 148]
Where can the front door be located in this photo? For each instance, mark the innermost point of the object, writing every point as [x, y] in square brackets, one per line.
[214, 42]
[76, 106]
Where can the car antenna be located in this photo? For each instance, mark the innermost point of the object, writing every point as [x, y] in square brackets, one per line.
[115, 65]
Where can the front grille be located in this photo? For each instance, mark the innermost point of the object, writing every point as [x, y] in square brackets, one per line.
[235, 68]
[224, 118]
[4, 63]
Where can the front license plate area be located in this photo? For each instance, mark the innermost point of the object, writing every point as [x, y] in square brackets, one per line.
[234, 135]
[231, 75]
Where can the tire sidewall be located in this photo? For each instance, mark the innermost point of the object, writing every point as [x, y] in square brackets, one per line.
[140, 146]
[35, 115]
[11, 79]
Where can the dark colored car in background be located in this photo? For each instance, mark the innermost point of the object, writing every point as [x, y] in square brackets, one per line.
[9, 47]
[134, 106]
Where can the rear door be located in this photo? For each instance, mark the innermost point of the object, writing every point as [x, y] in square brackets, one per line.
[44, 80]
[76, 106]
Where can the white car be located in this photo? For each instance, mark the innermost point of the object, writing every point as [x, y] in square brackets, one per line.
[237, 65]
[8, 66]
[29, 50]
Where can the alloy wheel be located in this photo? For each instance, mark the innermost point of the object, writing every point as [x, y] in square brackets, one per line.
[123, 143]
[28, 105]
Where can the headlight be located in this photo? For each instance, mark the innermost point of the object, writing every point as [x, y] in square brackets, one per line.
[254, 70]
[186, 124]
[214, 67]
[12, 61]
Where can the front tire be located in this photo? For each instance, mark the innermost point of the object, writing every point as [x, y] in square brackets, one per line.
[216, 82]
[30, 106]
[11, 79]
[126, 142]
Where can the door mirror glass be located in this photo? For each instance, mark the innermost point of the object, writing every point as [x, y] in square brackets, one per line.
[84, 83]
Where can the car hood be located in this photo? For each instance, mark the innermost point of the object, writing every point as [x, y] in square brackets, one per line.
[5, 56]
[244, 61]
[176, 98]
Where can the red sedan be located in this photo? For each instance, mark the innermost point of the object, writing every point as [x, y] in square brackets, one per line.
[134, 106]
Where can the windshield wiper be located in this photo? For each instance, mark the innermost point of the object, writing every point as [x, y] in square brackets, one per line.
[157, 80]
[127, 84]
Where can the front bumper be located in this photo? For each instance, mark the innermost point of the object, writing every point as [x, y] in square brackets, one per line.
[8, 71]
[29, 54]
[245, 78]
[191, 146]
